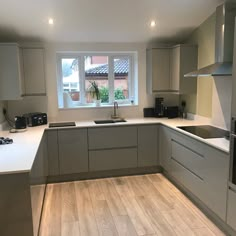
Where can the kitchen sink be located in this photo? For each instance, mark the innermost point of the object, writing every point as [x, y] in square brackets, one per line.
[109, 121]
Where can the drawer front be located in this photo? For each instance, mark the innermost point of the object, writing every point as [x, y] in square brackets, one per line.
[231, 215]
[187, 178]
[190, 159]
[202, 169]
[112, 137]
[112, 159]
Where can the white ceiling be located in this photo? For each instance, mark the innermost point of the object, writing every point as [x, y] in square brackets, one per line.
[102, 20]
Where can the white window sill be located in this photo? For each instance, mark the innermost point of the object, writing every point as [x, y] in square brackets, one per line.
[96, 107]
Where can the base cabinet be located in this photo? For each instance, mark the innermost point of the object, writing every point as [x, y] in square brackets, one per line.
[231, 213]
[203, 170]
[147, 145]
[73, 151]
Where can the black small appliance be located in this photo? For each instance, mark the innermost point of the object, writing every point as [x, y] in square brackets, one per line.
[171, 112]
[20, 122]
[36, 118]
[148, 112]
[159, 107]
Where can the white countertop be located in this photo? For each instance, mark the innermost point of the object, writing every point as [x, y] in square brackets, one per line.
[19, 156]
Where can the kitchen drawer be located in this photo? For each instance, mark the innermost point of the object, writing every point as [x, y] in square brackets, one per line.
[189, 158]
[191, 143]
[112, 137]
[112, 159]
[231, 215]
[187, 178]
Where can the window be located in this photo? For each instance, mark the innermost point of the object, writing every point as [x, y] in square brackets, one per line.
[113, 73]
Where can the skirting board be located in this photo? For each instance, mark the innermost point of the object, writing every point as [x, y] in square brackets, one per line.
[104, 174]
[209, 213]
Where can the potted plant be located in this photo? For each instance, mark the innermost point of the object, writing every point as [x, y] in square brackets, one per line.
[95, 92]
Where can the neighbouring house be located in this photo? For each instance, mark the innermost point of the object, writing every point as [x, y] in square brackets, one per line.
[97, 70]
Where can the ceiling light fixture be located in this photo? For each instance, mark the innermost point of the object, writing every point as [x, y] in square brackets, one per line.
[153, 23]
[50, 21]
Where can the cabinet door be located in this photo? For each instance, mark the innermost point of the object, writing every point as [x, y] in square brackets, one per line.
[164, 147]
[147, 145]
[231, 213]
[10, 72]
[52, 147]
[34, 74]
[175, 69]
[161, 69]
[73, 151]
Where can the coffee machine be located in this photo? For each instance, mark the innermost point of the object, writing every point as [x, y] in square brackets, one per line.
[159, 107]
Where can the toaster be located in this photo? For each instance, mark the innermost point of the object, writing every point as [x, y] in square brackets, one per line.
[36, 118]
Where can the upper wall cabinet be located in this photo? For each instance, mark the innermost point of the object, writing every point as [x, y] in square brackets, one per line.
[166, 68]
[34, 72]
[11, 81]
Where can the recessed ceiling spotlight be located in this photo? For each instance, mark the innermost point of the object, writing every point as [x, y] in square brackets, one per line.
[50, 21]
[153, 23]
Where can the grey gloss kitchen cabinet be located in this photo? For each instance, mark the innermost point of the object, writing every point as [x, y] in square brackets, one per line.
[11, 79]
[166, 68]
[112, 148]
[34, 71]
[201, 169]
[231, 213]
[148, 145]
[53, 160]
[73, 151]
[165, 147]
[158, 70]
[183, 58]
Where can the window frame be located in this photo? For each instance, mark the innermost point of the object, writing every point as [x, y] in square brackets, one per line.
[131, 55]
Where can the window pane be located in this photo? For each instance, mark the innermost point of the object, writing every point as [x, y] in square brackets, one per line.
[96, 70]
[70, 77]
[121, 75]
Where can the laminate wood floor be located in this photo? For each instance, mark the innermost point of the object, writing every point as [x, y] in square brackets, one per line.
[147, 205]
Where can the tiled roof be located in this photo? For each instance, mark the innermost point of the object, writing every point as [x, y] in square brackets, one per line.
[121, 68]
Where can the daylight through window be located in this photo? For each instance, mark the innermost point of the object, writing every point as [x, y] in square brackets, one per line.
[79, 74]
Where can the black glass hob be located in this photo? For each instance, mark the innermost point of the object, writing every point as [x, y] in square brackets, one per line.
[205, 131]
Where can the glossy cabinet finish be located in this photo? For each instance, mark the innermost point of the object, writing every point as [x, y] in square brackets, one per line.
[164, 147]
[184, 58]
[112, 159]
[34, 72]
[11, 81]
[166, 68]
[148, 145]
[73, 151]
[231, 213]
[158, 69]
[53, 159]
[112, 137]
[38, 180]
[203, 170]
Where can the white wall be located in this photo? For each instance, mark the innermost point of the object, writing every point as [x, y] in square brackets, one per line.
[221, 101]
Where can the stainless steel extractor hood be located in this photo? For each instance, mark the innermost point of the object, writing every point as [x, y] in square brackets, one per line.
[224, 41]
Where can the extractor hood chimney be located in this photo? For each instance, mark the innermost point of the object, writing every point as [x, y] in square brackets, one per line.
[224, 43]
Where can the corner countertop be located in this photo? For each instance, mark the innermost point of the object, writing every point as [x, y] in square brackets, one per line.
[19, 156]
